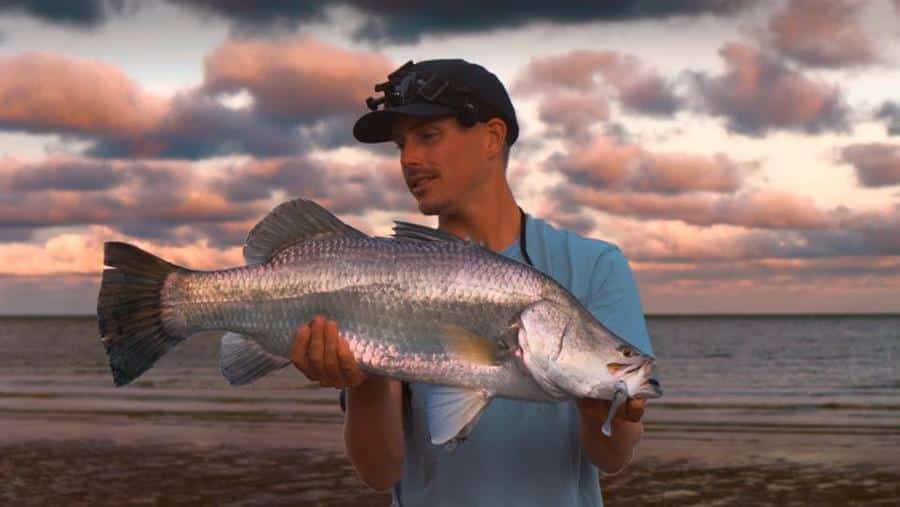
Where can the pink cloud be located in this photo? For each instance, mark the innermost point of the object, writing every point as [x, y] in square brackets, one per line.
[825, 33]
[609, 163]
[570, 114]
[768, 209]
[82, 253]
[299, 77]
[42, 92]
[759, 92]
[637, 86]
[876, 164]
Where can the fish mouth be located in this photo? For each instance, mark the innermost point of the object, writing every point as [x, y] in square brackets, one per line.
[650, 389]
[649, 386]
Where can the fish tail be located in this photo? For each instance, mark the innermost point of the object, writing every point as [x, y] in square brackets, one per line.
[133, 325]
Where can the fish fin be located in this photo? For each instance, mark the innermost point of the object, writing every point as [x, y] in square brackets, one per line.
[472, 347]
[289, 223]
[243, 360]
[423, 233]
[133, 328]
[453, 412]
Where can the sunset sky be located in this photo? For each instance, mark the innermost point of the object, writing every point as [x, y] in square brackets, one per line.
[744, 155]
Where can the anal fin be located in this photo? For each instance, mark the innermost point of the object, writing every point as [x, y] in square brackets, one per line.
[453, 412]
[242, 360]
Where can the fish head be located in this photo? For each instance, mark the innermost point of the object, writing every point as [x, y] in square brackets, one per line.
[570, 354]
[598, 362]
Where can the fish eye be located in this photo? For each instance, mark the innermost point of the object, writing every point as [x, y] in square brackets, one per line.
[627, 351]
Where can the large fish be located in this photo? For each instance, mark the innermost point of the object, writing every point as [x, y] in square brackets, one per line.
[422, 305]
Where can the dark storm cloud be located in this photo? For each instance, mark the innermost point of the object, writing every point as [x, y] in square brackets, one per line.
[80, 13]
[890, 112]
[407, 21]
[760, 92]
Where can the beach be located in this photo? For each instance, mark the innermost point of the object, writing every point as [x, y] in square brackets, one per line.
[727, 431]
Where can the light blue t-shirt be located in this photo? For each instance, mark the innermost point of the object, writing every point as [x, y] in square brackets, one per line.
[524, 453]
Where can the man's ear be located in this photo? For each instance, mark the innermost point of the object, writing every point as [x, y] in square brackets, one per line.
[496, 135]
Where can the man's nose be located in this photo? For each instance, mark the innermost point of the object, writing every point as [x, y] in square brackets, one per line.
[411, 155]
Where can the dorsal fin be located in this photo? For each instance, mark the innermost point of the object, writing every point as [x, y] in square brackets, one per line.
[421, 232]
[289, 223]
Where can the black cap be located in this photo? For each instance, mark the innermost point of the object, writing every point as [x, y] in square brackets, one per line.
[437, 88]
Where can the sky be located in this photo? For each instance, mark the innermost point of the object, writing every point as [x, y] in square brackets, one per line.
[744, 155]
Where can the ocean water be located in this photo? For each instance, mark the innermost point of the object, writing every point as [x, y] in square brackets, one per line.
[779, 374]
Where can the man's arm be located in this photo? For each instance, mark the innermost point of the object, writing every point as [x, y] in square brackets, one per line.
[373, 425]
[615, 301]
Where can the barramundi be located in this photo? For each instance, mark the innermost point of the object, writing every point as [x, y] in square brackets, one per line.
[421, 305]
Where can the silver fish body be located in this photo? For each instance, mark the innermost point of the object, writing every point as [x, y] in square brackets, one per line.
[396, 301]
[421, 306]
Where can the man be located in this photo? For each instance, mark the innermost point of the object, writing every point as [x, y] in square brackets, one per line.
[453, 123]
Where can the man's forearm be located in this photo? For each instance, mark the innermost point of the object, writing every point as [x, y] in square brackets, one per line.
[609, 454]
[373, 431]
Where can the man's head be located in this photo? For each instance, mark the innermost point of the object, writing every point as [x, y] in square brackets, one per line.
[454, 124]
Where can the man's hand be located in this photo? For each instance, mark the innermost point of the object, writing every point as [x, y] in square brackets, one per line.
[324, 356]
[632, 410]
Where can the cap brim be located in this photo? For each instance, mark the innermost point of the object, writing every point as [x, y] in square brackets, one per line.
[375, 127]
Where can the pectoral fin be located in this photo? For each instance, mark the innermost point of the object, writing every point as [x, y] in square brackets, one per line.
[453, 412]
[472, 347]
[242, 360]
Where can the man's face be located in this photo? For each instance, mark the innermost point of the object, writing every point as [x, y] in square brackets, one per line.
[442, 162]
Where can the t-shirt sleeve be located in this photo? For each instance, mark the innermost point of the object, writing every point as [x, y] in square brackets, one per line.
[615, 301]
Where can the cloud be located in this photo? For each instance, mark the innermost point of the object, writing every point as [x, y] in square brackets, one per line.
[198, 126]
[407, 21]
[47, 93]
[767, 209]
[82, 14]
[890, 111]
[342, 188]
[759, 92]
[82, 253]
[177, 202]
[160, 200]
[637, 87]
[822, 33]
[305, 94]
[607, 163]
[876, 164]
[298, 80]
[571, 114]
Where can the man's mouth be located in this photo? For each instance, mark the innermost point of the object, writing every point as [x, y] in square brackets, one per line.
[420, 183]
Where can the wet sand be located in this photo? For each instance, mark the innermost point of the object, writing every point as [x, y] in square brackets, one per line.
[101, 473]
[115, 458]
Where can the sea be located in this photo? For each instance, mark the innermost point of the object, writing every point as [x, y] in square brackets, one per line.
[803, 372]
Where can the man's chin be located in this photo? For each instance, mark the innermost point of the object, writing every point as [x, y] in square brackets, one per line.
[429, 207]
